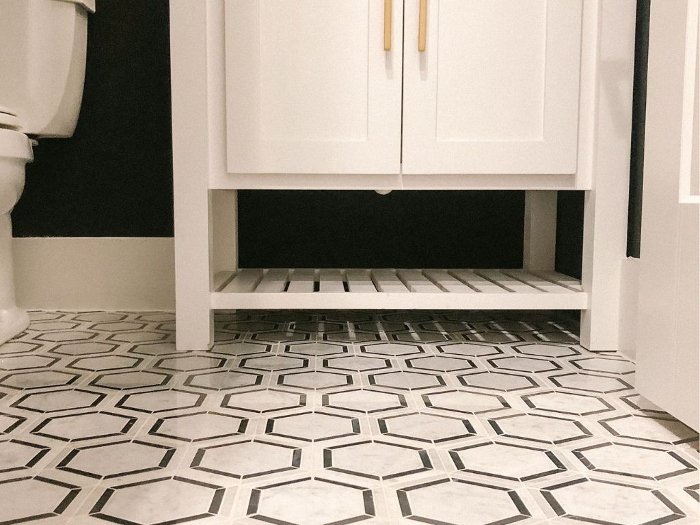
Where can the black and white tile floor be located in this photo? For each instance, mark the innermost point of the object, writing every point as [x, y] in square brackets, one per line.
[332, 418]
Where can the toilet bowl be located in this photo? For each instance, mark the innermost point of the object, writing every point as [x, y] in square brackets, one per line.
[15, 152]
[42, 59]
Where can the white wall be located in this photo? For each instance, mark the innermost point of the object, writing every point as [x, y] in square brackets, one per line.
[103, 273]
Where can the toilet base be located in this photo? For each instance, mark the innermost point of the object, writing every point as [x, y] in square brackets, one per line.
[13, 321]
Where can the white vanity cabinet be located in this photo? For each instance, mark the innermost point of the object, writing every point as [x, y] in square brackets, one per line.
[335, 87]
[530, 95]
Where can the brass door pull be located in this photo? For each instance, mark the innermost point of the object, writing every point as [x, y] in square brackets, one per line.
[423, 26]
[387, 24]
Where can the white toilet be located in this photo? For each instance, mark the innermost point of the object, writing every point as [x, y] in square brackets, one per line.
[42, 70]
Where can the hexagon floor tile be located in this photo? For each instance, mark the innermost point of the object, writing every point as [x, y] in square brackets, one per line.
[465, 402]
[367, 401]
[312, 426]
[27, 499]
[263, 401]
[498, 381]
[567, 403]
[172, 499]
[652, 429]
[200, 426]
[333, 418]
[540, 428]
[161, 401]
[461, 502]
[84, 426]
[20, 455]
[132, 380]
[426, 428]
[607, 503]
[117, 459]
[39, 379]
[506, 461]
[59, 400]
[469, 349]
[633, 461]
[311, 501]
[376, 459]
[224, 380]
[247, 459]
[316, 349]
[440, 363]
[356, 363]
[407, 380]
[315, 380]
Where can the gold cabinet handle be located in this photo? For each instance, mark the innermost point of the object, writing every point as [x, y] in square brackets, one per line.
[423, 26]
[387, 25]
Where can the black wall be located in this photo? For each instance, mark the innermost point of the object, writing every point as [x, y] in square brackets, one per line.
[113, 178]
[641, 56]
[358, 229]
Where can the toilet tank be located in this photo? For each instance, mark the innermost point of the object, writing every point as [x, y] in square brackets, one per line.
[42, 63]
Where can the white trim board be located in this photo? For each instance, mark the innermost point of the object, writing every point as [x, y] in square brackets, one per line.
[105, 273]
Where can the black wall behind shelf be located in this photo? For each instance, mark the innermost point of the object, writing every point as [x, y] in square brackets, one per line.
[113, 178]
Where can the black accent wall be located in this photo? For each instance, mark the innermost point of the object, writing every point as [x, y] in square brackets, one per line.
[113, 178]
[641, 57]
[361, 229]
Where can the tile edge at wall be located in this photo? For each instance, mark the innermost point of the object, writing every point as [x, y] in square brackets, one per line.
[101, 273]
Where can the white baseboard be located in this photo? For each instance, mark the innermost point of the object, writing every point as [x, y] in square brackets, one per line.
[101, 273]
[629, 306]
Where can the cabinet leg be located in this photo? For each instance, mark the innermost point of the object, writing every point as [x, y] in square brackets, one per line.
[604, 243]
[195, 328]
[196, 144]
[539, 242]
[194, 320]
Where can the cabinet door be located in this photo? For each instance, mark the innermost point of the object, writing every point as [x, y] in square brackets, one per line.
[310, 87]
[496, 90]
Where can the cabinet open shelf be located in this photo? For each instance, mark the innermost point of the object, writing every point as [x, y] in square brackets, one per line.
[512, 289]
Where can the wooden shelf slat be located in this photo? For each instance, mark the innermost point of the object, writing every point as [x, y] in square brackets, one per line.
[538, 282]
[416, 282]
[331, 281]
[387, 281]
[245, 281]
[274, 281]
[360, 281]
[447, 282]
[506, 281]
[477, 282]
[301, 281]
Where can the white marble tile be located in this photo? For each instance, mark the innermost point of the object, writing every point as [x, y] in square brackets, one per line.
[384, 418]
[604, 502]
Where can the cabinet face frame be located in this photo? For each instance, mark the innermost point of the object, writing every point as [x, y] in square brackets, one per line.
[580, 180]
